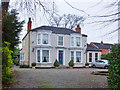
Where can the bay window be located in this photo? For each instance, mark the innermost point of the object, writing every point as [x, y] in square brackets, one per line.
[42, 56]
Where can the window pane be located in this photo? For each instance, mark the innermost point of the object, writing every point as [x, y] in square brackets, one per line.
[90, 57]
[45, 56]
[72, 41]
[78, 56]
[72, 55]
[45, 38]
[60, 40]
[38, 55]
[96, 56]
[77, 41]
[38, 38]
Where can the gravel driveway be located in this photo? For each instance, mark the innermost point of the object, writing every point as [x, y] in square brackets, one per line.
[58, 78]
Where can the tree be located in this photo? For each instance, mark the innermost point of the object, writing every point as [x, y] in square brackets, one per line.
[114, 67]
[67, 21]
[11, 28]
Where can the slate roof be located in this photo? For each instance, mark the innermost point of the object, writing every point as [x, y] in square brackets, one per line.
[91, 48]
[56, 30]
[104, 46]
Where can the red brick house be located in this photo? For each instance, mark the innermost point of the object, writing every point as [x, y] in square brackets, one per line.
[105, 47]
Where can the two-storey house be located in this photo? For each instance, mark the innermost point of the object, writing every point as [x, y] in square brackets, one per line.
[45, 44]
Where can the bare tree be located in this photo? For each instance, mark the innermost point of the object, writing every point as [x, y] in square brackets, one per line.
[67, 21]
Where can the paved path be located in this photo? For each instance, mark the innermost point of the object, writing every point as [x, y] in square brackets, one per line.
[58, 78]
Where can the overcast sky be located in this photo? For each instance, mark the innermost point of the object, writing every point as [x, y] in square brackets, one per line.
[96, 32]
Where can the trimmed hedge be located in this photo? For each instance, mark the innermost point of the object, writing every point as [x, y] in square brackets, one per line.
[56, 63]
[71, 63]
[34, 64]
[24, 66]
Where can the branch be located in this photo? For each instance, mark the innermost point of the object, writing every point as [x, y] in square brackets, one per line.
[76, 8]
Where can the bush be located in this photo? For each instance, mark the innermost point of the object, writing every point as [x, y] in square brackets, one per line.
[86, 64]
[71, 63]
[114, 67]
[105, 56]
[56, 63]
[7, 63]
[34, 64]
[24, 66]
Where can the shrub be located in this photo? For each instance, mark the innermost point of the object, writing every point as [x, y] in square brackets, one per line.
[24, 66]
[71, 63]
[114, 67]
[34, 64]
[7, 63]
[86, 64]
[56, 63]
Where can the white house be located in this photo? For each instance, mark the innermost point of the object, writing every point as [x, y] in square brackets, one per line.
[45, 44]
[93, 54]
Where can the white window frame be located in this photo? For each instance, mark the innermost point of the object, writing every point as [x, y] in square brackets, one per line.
[75, 55]
[80, 56]
[58, 41]
[41, 50]
[76, 35]
[41, 38]
[71, 41]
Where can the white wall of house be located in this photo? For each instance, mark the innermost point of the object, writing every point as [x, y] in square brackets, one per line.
[53, 48]
[93, 56]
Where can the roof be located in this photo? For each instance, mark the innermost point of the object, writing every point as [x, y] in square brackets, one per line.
[104, 46]
[56, 30]
[91, 48]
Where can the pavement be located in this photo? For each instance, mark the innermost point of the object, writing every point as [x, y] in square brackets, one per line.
[58, 78]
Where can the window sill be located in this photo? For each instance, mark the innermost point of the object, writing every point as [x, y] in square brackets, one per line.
[43, 63]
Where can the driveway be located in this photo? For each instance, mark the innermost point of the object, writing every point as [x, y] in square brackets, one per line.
[58, 78]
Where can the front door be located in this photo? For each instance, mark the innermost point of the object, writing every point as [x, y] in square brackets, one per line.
[60, 56]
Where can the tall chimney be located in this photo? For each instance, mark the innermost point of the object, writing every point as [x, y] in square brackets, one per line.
[78, 29]
[101, 42]
[29, 24]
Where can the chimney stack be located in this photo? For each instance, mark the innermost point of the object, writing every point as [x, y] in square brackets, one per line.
[29, 24]
[78, 29]
[101, 42]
